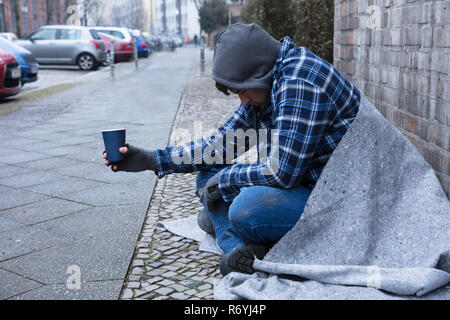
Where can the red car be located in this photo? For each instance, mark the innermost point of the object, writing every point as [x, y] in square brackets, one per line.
[123, 50]
[10, 75]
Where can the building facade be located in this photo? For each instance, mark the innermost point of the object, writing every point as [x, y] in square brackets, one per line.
[178, 17]
[398, 53]
[23, 17]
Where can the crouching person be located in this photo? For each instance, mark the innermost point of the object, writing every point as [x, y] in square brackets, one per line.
[303, 103]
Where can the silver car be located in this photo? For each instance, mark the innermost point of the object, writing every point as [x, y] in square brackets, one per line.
[58, 44]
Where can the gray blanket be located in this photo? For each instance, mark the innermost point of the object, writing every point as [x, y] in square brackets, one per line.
[376, 226]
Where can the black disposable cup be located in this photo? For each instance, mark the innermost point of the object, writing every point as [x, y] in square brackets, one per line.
[114, 139]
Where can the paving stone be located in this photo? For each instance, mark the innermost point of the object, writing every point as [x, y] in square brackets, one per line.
[190, 292]
[205, 293]
[164, 291]
[166, 282]
[161, 298]
[155, 264]
[179, 296]
[139, 293]
[138, 271]
[127, 294]
[150, 288]
[152, 279]
[178, 287]
[138, 263]
[133, 285]
[204, 287]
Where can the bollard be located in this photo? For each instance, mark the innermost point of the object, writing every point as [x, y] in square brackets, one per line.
[202, 56]
[111, 62]
[135, 51]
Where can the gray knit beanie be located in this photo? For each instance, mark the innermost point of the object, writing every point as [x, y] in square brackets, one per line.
[244, 57]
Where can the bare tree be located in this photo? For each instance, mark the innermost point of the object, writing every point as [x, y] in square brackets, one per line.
[97, 12]
[135, 14]
[129, 14]
[92, 9]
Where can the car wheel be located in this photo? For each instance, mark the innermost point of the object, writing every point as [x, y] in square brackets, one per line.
[87, 62]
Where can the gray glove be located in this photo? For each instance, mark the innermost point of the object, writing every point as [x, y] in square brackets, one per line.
[212, 195]
[137, 160]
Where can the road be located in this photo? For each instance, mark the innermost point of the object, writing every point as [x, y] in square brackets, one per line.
[68, 225]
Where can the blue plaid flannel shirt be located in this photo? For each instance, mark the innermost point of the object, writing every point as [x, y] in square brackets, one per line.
[311, 108]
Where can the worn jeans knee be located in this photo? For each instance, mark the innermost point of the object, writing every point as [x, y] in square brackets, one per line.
[263, 215]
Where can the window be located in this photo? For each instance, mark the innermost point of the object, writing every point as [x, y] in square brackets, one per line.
[44, 34]
[69, 34]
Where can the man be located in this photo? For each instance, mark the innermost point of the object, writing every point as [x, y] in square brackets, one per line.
[304, 104]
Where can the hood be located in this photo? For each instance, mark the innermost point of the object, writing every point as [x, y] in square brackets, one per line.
[244, 57]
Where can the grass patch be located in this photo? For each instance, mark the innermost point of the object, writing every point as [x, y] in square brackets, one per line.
[11, 104]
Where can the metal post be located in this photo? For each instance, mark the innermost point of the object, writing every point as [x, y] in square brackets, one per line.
[136, 63]
[111, 62]
[202, 53]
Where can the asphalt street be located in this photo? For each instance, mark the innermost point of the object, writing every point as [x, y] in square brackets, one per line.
[68, 224]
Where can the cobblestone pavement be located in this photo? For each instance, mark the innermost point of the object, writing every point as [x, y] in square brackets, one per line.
[166, 266]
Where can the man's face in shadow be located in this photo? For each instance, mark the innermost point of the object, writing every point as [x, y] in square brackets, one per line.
[254, 97]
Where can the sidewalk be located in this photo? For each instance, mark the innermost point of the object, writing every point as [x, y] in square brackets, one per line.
[166, 266]
[65, 218]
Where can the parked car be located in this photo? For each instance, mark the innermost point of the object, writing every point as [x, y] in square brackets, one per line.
[28, 64]
[66, 45]
[168, 43]
[122, 33]
[8, 36]
[155, 42]
[9, 75]
[123, 50]
[142, 46]
[178, 41]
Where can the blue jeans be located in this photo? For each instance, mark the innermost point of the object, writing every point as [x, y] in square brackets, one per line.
[258, 215]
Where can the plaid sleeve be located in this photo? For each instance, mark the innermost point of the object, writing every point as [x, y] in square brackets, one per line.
[205, 153]
[302, 114]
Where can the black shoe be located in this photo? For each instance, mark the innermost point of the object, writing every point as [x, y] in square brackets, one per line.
[205, 223]
[241, 260]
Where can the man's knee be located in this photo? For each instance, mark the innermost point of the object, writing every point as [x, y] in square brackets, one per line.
[245, 208]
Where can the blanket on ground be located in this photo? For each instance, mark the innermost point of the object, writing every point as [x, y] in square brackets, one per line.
[376, 226]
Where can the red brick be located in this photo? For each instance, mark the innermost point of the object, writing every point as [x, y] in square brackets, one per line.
[410, 123]
[344, 9]
[439, 135]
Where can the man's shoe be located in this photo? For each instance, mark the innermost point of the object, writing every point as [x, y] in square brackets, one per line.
[241, 260]
[205, 223]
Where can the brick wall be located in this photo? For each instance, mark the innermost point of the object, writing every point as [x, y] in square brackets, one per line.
[15, 13]
[398, 53]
